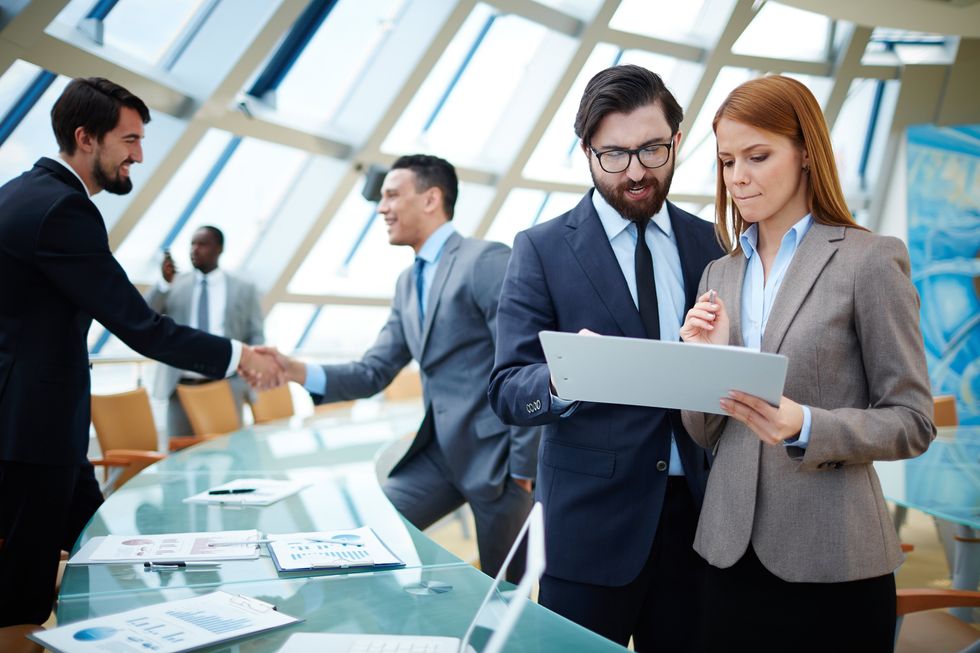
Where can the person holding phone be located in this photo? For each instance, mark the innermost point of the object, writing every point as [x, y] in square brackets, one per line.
[793, 515]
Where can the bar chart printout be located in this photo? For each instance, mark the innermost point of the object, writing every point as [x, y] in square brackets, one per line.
[170, 627]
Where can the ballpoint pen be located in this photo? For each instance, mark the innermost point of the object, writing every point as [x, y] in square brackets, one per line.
[266, 541]
[243, 490]
[179, 564]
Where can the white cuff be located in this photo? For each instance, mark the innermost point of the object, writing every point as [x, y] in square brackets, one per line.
[236, 357]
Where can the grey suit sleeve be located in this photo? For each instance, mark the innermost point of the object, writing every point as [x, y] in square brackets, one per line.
[157, 299]
[704, 428]
[256, 334]
[898, 422]
[376, 369]
[486, 280]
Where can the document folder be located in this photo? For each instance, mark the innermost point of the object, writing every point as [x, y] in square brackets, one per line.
[641, 372]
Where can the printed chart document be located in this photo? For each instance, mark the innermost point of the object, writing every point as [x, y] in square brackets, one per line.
[359, 547]
[248, 492]
[185, 547]
[170, 627]
[641, 372]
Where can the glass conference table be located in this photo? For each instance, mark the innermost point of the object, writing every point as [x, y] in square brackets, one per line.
[944, 482]
[336, 457]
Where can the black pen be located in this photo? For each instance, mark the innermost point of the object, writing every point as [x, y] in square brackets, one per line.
[243, 490]
[178, 564]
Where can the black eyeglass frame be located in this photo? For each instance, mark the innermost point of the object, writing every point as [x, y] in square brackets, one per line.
[632, 153]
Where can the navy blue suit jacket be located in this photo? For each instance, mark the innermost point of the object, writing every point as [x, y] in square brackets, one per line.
[597, 469]
[57, 273]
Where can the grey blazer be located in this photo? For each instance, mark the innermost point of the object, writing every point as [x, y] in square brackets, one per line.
[243, 318]
[454, 349]
[847, 318]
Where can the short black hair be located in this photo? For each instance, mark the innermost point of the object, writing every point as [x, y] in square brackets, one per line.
[623, 89]
[219, 236]
[91, 103]
[432, 171]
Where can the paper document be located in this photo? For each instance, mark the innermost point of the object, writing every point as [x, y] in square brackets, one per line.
[359, 547]
[641, 372]
[248, 492]
[170, 627]
[185, 547]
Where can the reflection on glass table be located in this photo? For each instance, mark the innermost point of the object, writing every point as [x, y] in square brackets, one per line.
[435, 601]
[944, 482]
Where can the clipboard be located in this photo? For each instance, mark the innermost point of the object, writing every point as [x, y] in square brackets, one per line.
[655, 373]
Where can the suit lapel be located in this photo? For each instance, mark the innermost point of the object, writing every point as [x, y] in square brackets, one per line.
[731, 292]
[814, 252]
[591, 248]
[446, 260]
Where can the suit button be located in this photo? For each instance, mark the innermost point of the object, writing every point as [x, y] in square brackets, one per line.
[661, 465]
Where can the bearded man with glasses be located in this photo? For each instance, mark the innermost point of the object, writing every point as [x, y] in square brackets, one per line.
[621, 485]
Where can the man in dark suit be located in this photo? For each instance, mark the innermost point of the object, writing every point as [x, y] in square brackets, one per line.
[444, 315]
[58, 274]
[621, 485]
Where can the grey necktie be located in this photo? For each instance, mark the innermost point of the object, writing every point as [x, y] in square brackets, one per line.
[203, 323]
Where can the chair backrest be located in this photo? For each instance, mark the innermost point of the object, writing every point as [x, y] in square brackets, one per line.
[944, 411]
[210, 407]
[407, 385]
[124, 421]
[269, 405]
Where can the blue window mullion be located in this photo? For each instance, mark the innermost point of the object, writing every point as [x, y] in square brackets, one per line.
[101, 9]
[309, 328]
[25, 103]
[360, 237]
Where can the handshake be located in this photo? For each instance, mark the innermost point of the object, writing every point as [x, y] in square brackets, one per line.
[265, 367]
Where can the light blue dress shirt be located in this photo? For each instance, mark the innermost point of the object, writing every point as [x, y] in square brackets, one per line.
[759, 294]
[668, 276]
[431, 251]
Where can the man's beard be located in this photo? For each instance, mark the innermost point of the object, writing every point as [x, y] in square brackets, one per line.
[632, 210]
[117, 185]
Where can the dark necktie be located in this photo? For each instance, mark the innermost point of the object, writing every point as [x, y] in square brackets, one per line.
[646, 287]
[419, 265]
[203, 323]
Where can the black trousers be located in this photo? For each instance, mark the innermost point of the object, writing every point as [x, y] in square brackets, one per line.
[43, 509]
[749, 608]
[661, 608]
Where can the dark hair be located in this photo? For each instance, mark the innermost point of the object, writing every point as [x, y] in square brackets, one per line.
[432, 171]
[91, 103]
[623, 89]
[220, 237]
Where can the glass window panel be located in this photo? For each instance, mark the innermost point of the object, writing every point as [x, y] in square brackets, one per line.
[285, 323]
[676, 21]
[140, 252]
[584, 9]
[247, 193]
[481, 94]
[14, 82]
[344, 332]
[375, 266]
[849, 131]
[33, 137]
[75, 11]
[785, 33]
[525, 208]
[146, 28]
[696, 168]
[557, 156]
[471, 205]
[819, 86]
[312, 92]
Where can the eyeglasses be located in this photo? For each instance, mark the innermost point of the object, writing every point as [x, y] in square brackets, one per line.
[651, 156]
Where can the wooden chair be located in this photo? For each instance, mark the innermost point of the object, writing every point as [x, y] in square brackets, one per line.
[126, 433]
[944, 411]
[13, 639]
[924, 626]
[407, 385]
[210, 408]
[270, 405]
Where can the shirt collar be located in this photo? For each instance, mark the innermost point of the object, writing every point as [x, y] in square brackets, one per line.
[60, 159]
[750, 237]
[614, 224]
[213, 277]
[432, 249]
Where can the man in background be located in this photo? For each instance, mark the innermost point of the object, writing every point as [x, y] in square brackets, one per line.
[444, 316]
[621, 485]
[58, 275]
[211, 300]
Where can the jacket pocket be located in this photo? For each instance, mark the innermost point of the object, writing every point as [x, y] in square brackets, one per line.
[489, 426]
[581, 460]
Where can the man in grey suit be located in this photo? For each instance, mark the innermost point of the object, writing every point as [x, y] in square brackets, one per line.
[209, 299]
[444, 315]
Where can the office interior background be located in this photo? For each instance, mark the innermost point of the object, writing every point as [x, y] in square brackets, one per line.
[269, 114]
